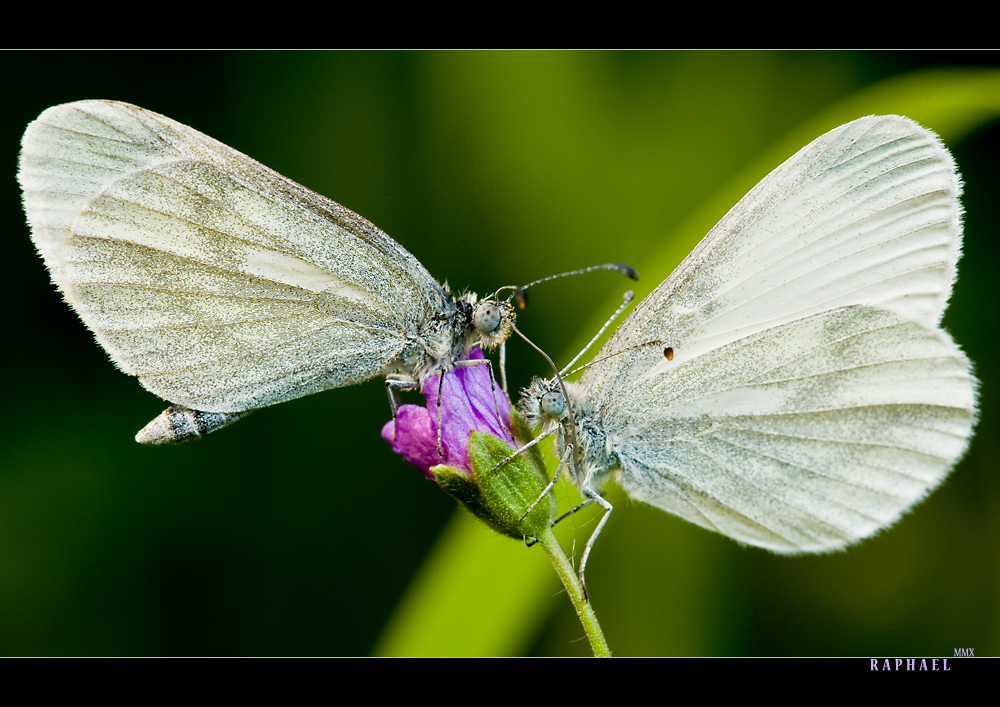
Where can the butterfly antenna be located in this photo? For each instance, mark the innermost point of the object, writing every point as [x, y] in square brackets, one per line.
[517, 291]
[668, 353]
[562, 386]
[617, 267]
[629, 296]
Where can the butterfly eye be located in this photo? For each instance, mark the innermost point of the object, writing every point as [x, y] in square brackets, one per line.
[486, 318]
[553, 404]
[669, 353]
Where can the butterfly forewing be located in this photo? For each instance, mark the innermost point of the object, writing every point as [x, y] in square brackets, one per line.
[866, 214]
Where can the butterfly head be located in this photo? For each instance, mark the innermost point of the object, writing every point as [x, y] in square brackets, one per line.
[492, 322]
[543, 403]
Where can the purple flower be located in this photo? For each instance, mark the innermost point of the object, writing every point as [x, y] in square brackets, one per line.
[468, 403]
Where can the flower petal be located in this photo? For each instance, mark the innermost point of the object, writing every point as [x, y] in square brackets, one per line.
[413, 435]
[468, 402]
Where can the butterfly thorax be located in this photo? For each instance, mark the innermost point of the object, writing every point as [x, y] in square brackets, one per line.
[595, 460]
[438, 344]
[456, 327]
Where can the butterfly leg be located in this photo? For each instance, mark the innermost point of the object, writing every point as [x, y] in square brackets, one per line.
[555, 478]
[567, 514]
[396, 382]
[572, 511]
[493, 387]
[503, 368]
[529, 445]
[393, 384]
[594, 497]
[440, 393]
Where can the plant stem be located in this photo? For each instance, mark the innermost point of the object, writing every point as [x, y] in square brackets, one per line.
[575, 591]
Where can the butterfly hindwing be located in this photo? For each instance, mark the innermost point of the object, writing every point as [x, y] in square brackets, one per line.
[804, 438]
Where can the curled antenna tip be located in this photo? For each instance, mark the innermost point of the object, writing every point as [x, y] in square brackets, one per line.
[513, 290]
[625, 270]
[620, 268]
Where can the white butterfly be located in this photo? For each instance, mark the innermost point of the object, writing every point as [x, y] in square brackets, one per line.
[789, 384]
[221, 284]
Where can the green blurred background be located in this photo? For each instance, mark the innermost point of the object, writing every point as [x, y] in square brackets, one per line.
[298, 532]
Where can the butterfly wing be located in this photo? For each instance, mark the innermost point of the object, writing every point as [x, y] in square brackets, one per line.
[866, 214]
[811, 397]
[802, 438]
[218, 282]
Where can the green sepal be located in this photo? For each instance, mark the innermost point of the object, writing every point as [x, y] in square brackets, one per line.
[499, 498]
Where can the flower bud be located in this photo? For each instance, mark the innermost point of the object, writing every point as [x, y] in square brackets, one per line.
[473, 445]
